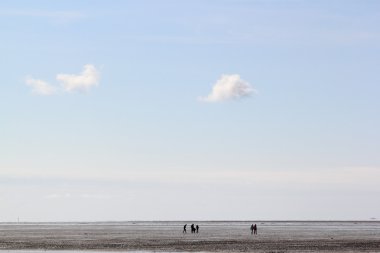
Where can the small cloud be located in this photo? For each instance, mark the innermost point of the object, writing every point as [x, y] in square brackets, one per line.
[88, 78]
[229, 87]
[84, 81]
[40, 87]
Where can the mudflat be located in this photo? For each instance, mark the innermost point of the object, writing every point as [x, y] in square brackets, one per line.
[168, 236]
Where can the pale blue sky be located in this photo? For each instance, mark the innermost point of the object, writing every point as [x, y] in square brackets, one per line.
[305, 146]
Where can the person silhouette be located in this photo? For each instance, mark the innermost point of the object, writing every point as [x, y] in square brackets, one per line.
[192, 228]
[255, 229]
[184, 229]
[197, 228]
[252, 227]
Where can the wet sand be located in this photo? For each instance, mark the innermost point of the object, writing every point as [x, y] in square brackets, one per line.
[212, 237]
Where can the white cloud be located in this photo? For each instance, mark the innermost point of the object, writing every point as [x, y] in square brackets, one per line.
[84, 81]
[229, 87]
[88, 78]
[40, 87]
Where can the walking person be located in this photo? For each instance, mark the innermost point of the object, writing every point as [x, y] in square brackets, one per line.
[252, 227]
[255, 229]
[197, 228]
[184, 229]
[192, 228]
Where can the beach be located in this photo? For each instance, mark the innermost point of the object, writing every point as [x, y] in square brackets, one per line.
[218, 236]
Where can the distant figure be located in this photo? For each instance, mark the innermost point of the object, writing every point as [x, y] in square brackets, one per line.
[192, 228]
[184, 229]
[255, 229]
[197, 227]
[252, 227]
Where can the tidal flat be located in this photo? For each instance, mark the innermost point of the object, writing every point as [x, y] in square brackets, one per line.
[213, 236]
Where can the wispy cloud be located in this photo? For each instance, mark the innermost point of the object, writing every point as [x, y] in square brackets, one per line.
[365, 176]
[58, 196]
[68, 195]
[84, 81]
[40, 87]
[229, 87]
[60, 16]
[89, 77]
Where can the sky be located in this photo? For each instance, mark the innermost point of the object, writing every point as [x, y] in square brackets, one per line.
[189, 110]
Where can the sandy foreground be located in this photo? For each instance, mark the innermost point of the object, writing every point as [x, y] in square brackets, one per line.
[212, 237]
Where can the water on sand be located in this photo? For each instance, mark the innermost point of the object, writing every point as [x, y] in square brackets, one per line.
[285, 236]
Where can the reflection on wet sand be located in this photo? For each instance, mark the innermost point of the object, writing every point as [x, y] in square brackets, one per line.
[285, 236]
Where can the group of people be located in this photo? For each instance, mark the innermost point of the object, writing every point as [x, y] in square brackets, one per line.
[194, 229]
[254, 229]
